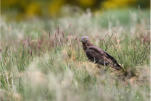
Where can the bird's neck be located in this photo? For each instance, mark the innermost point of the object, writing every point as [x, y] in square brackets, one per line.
[85, 45]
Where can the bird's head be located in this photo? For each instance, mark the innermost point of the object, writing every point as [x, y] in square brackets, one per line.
[84, 39]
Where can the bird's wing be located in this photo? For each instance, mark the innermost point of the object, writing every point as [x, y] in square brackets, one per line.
[110, 57]
[103, 57]
[104, 54]
[114, 63]
[96, 55]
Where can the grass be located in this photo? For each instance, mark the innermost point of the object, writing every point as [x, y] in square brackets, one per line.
[44, 61]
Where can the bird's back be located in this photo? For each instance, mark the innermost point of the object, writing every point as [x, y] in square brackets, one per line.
[99, 56]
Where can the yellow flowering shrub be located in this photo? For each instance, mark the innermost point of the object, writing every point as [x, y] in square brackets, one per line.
[33, 9]
[52, 8]
[87, 3]
[110, 4]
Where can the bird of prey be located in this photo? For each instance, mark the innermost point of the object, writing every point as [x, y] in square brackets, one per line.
[97, 55]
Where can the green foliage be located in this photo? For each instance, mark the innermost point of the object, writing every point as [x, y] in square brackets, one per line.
[122, 17]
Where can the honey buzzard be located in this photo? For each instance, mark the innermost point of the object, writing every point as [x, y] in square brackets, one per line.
[97, 55]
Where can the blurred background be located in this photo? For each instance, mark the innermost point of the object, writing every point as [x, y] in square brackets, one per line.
[41, 58]
[27, 9]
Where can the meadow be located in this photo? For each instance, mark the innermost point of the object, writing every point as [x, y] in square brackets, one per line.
[43, 60]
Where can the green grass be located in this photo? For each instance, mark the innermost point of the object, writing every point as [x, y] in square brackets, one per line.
[44, 61]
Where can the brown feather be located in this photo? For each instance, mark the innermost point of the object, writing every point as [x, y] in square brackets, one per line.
[97, 55]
